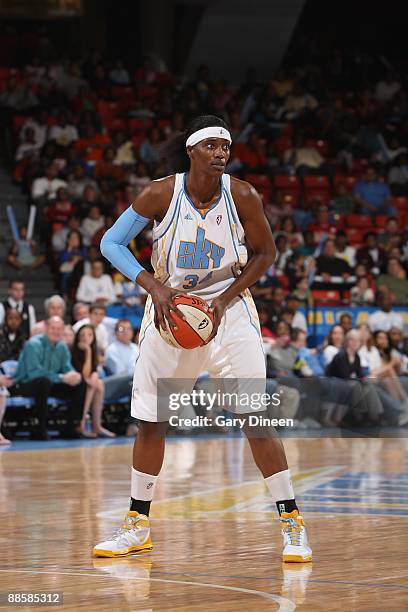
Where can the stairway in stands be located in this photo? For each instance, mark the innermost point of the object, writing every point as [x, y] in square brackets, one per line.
[39, 283]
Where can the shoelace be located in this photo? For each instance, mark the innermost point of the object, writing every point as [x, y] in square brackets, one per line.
[293, 530]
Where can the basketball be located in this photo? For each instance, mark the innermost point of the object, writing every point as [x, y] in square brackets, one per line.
[196, 329]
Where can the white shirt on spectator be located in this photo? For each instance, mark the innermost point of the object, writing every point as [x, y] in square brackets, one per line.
[348, 255]
[40, 131]
[43, 187]
[63, 135]
[92, 289]
[101, 333]
[89, 227]
[329, 352]
[383, 321]
[370, 359]
[299, 321]
[120, 358]
[59, 239]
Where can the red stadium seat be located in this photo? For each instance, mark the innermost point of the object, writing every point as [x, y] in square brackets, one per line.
[261, 180]
[287, 184]
[316, 182]
[354, 235]
[115, 125]
[140, 125]
[313, 195]
[359, 221]
[380, 221]
[328, 297]
[121, 91]
[401, 202]
[348, 181]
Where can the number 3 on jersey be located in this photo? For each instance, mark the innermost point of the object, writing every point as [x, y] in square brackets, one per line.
[192, 280]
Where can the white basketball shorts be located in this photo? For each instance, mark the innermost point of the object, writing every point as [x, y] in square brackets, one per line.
[235, 352]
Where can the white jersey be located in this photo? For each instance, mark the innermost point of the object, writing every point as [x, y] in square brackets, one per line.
[196, 251]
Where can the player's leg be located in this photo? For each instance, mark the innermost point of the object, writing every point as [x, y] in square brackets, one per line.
[148, 451]
[246, 360]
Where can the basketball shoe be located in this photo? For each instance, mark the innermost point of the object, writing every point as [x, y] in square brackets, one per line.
[295, 545]
[132, 537]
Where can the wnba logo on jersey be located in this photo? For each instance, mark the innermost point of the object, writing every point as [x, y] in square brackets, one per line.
[197, 255]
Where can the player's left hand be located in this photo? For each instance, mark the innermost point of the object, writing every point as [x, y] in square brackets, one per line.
[218, 306]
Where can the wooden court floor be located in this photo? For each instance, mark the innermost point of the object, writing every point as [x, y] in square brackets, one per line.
[216, 538]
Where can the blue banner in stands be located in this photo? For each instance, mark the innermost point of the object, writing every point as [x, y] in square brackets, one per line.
[320, 320]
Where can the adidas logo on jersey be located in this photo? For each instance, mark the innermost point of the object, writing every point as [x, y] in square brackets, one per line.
[188, 217]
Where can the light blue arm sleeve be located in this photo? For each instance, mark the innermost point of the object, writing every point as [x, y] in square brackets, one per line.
[115, 240]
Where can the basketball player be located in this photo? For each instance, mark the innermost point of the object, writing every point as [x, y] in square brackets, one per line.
[202, 220]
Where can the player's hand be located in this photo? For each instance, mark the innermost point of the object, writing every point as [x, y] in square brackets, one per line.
[218, 306]
[162, 298]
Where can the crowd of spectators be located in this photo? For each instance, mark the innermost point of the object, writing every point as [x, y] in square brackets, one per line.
[325, 146]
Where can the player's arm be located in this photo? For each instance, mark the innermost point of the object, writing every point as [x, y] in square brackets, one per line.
[258, 236]
[151, 203]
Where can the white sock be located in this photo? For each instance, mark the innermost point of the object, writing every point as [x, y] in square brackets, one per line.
[143, 485]
[280, 486]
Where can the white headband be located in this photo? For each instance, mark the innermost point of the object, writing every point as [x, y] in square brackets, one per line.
[208, 132]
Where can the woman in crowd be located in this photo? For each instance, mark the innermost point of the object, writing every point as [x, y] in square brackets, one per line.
[85, 361]
[333, 344]
[389, 372]
[73, 252]
[12, 336]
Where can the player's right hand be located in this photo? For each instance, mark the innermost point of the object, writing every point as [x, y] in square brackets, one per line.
[162, 298]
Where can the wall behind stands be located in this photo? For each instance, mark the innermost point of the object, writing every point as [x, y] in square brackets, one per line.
[236, 34]
[320, 320]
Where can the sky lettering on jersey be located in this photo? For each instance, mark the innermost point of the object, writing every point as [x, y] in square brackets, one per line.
[197, 255]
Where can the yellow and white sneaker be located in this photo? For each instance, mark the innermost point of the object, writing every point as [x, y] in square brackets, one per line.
[295, 545]
[132, 537]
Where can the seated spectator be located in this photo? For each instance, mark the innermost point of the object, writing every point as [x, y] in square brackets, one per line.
[295, 270]
[384, 319]
[398, 175]
[128, 293]
[309, 362]
[346, 365]
[370, 254]
[250, 156]
[118, 74]
[45, 187]
[362, 294]
[343, 202]
[344, 250]
[63, 133]
[303, 159]
[106, 168]
[96, 286]
[59, 238]
[266, 330]
[96, 316]
[85, 361]
[388, 372]
[138, 179]
[149, 149]
[391, 234]
[83, 266]
[284, 252]
[324, 224]
[45, 370]
[28, 148]
[372, 196]
[97, 237]
[54, 306]
[120, 359]
[61, 209]
[91, 224]
[25, 254]
[68, 336]
[297, 102]
[16, 301]
[330, 269]
[78, 181]
[346, 322]
[290, 230]
[395, 281]
[80, 311]
[304, 294]
[12, 336]
[399, 348]
[125, 150]
[333, 344]
[70, 256]
[299, 320]
[38, 122]
[282, 353]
